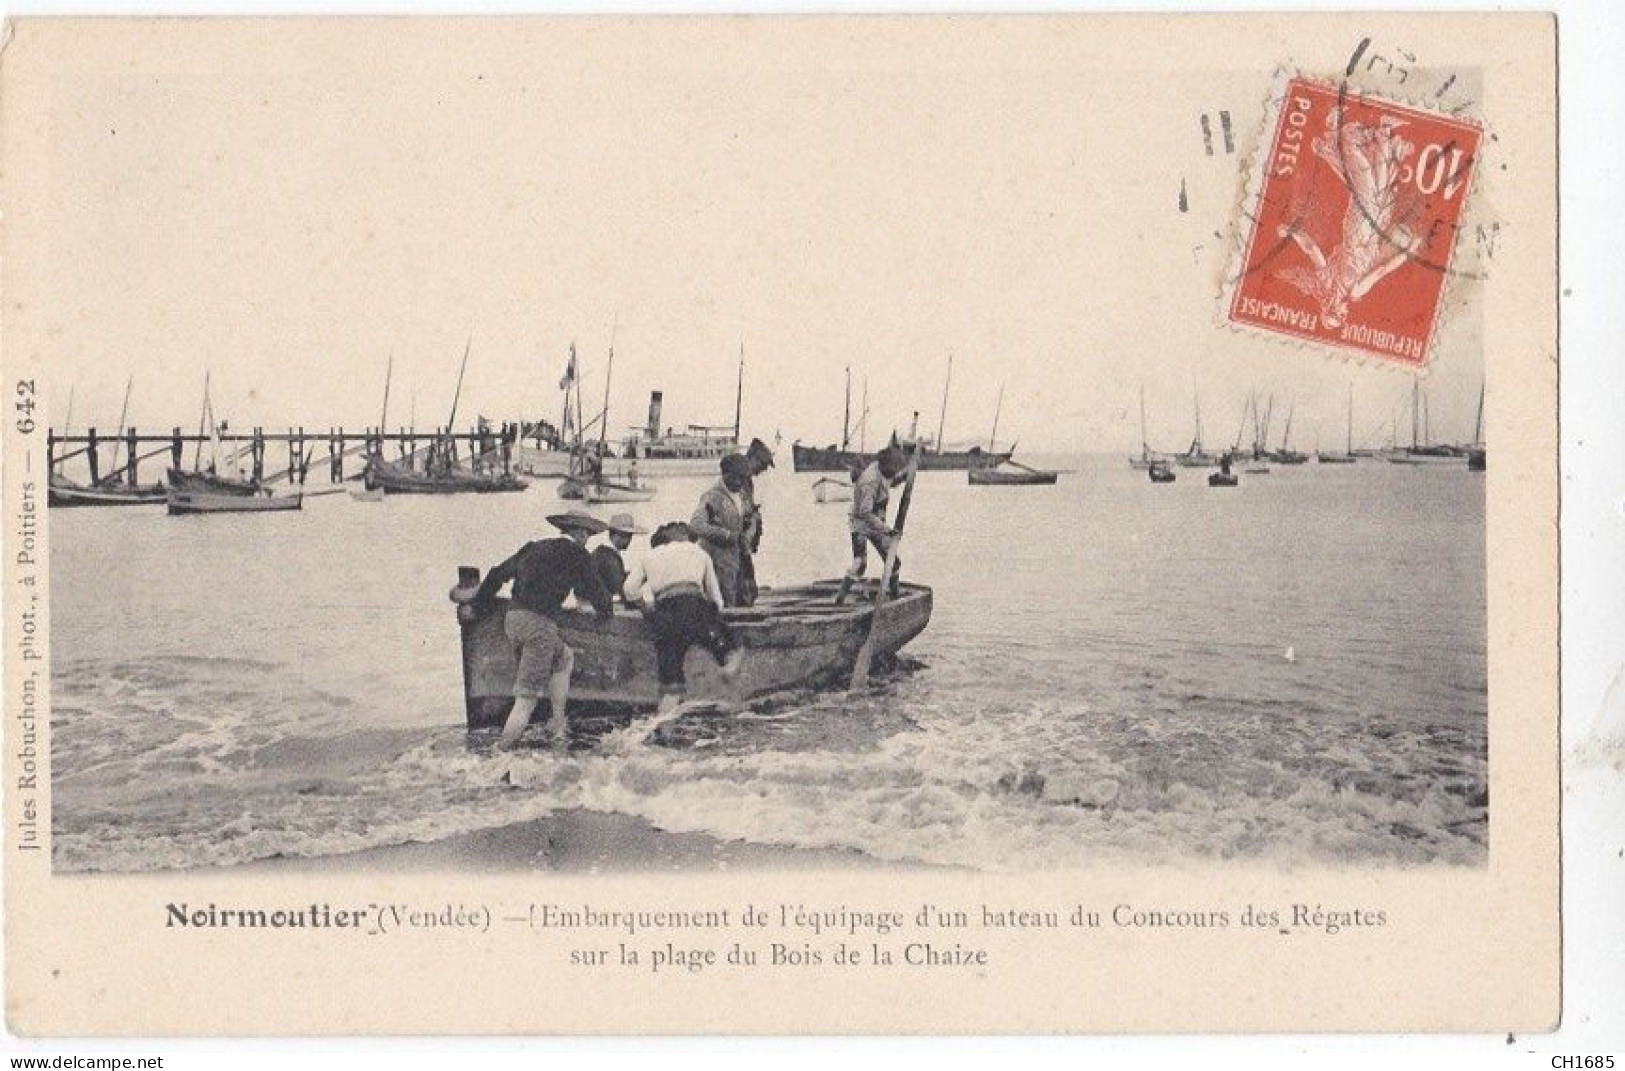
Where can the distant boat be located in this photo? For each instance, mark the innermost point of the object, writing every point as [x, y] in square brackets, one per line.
[1286, 455]
[205, 482]
[62, 492]
[1148, 456]
[828, 489]
[616, 492]
[439, 478]
[697, 450]
[1347, 456]
[1224, 477]
[115, 489]
[594, 487]
[1196, 457]
[1160, 472]
[208, 480]
[1476, 453]
[1010, 473]
[440, 474]
[184, 502]
[933, 456]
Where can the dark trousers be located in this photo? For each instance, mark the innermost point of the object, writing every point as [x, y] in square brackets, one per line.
[681, 622]
[860, 552]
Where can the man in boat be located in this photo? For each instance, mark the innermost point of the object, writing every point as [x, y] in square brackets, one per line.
[719, 524]
[544, 572]
[758, 459]
[676, 583]
[866, 522]
[606, 557]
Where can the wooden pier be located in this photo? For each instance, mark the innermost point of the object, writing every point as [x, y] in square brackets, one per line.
[488, 449]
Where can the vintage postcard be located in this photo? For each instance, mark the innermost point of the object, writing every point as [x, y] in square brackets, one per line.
[768, 525]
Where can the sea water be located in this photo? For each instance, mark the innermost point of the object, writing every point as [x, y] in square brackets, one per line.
[1292, 672]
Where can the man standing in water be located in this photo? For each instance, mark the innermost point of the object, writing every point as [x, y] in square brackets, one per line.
[543, 572]
[676, 583]
[867, 520]
[758, 459]
[719, 523]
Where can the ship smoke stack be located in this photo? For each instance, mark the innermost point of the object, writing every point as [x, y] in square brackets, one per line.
[654, 415]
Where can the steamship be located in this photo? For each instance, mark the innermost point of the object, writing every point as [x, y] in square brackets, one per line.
[697, 449]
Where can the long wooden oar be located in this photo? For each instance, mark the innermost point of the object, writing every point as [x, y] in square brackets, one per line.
[866, 653]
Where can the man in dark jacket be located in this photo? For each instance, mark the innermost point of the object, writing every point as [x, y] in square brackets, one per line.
[544, 572]
[606, 557]
[719, 523]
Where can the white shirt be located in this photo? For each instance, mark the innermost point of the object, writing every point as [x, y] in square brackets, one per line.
[664, 567]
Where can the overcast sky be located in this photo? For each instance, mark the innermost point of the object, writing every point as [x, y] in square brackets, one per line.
[290, 221]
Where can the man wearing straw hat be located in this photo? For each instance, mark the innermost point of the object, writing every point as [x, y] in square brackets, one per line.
[606, 557]
[544, 572]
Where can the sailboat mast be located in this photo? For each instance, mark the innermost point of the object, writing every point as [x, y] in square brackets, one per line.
[457, 395]
[846, 413]
[123, 412]
[202, 417]
[1478, 421]
[943, 419]
[1145, 445]
[1416, 402]
[863, 425]
[739, 393]
[993, 437]
[603, 418]
[1349, 448]
[1286, 433]
[383, 416]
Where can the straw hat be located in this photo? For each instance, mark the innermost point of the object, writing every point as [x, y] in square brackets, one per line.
[624, 524]
[577, 521]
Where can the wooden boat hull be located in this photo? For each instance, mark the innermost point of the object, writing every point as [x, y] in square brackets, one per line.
[1003, 478]
[209, 484]
[186, 502]
[793, 638]
[616, 493]
[832, 459]
[826, 490]
[1162, 476]
[1222, 479]
[396, 480]
[1335, 459]
[61, 494]
[1476, 459]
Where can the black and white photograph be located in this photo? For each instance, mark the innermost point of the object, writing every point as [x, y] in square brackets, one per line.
[972, 544]
[1020, 477]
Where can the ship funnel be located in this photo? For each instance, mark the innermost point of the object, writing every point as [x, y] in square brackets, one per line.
[654, 414]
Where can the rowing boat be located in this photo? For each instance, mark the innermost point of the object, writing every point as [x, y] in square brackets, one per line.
[63, 492]
[399, 480]
[185, 502]
[1011, 474]
[828, 489]
[604, 491]
[792, 638]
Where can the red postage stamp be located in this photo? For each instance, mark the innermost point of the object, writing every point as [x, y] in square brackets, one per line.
[1352, 222]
